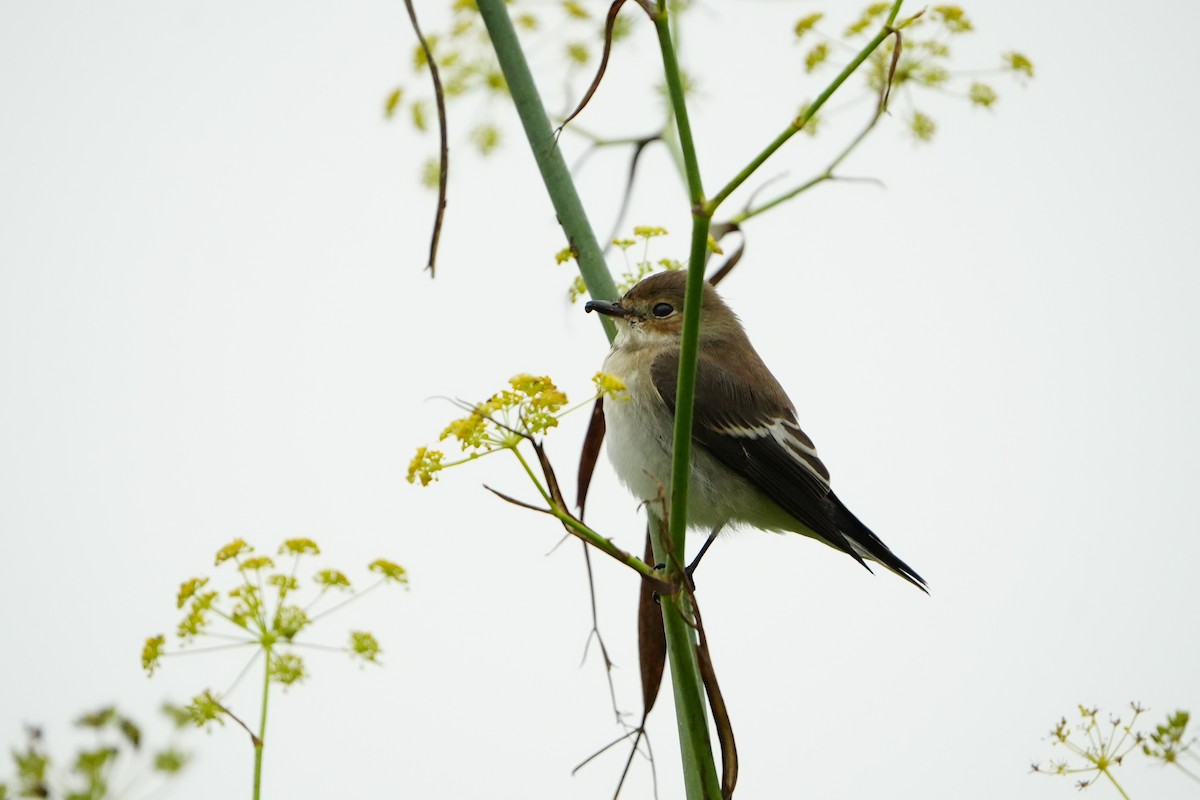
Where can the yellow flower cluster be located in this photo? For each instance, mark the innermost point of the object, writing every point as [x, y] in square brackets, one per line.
[424, 466]
[530, 406]
[299, 547]
[924, 61]
[609, 386]
[263, 615]
[390, 570]
[233, 550]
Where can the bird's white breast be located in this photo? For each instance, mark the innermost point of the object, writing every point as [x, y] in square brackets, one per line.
[639, 427]
[639, 434]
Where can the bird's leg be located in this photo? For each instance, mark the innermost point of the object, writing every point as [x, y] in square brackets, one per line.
[712, 537]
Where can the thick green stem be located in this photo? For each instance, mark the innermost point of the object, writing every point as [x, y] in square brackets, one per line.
[691, 166]
[260, 740]
[546, 152]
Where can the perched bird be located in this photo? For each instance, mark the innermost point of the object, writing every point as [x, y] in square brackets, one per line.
[751, 463]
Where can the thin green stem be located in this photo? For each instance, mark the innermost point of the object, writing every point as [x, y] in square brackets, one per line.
[536, 482]
[328, 648]
[193, 650]
[1120, 788]
[684, 400]
[689, 344]
[807, 114]
[241, 674]
[691, 711]
[826, 174]
[685, 394]
[218, 612]
[344, 602]
[600, 141]
[1187, 771]
[749, 213]
[555, 175]
[258, 608]
[580, 529]
[691, 167]
[699, 765]
[262, 723]
[601, 543]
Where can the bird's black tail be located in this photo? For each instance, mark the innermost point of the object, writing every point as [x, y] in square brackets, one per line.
[871, 546]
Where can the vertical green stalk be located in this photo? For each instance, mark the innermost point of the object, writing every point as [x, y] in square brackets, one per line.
[689, 343]
[700, 779]
[546, 152]
[695, 744]
[262, 723]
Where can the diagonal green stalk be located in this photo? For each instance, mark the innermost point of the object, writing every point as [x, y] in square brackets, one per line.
[797, 124]
[581, 530]
[1118, 786]
[825, 175]
[546, 152]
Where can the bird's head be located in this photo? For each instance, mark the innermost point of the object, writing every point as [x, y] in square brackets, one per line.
[653, 309]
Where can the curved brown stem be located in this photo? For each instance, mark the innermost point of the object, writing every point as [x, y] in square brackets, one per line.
[444, 154]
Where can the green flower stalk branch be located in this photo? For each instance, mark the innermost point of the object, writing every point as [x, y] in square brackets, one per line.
[827, 173]
[924, 63]
[1170, 744]
[263, 616]
[811, 109]
[1095, 748]
[528, 409]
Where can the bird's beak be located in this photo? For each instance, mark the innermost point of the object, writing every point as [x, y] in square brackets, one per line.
[605, 307]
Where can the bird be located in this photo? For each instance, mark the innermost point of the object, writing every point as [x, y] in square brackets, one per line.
[752, 464]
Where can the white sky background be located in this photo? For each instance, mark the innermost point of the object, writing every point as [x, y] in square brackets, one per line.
[214, 323]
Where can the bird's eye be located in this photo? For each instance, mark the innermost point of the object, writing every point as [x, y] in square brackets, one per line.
[662, 310]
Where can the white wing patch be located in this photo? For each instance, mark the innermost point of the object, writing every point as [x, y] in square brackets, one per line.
[788, 436]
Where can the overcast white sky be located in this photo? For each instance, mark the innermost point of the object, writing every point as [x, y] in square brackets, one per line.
[214, 323]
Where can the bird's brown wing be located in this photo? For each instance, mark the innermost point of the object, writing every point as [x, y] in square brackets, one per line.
[754, 434]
